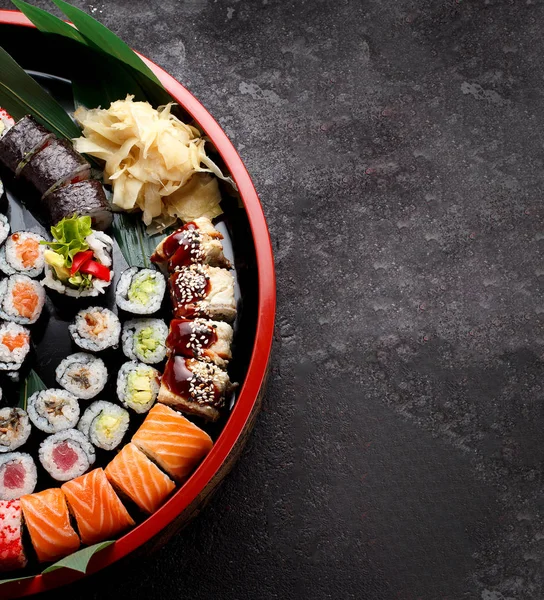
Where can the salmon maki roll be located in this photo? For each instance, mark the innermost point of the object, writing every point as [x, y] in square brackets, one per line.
[48, 521]
[137, 477]
[99, 513]
[172, 441]
[12, 553]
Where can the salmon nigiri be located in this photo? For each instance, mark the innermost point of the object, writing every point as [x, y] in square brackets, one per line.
[98, 511]
[172, 441]
[140, 479]
[48, 521]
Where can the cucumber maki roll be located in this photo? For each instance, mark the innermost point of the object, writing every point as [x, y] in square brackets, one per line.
[20, 142]
[84, 375]
[86, 198]
[144, 340]
[95, 329]
[66, 455]
[14, 428]
[21, 299]
[138, 386]
[23, 253]
[140, 291]
[104, 424]
[53, 410]
[14, 346]
[55, 165]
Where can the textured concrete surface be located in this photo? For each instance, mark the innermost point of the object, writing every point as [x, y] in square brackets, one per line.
[397, 149]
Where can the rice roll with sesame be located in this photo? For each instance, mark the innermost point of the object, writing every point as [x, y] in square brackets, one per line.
[200, 338]
[82, 374]
[66, 454]
[140, 291]
[194, 386]
[203, 291]
[53, 410]
[95, 329]
[14, 346]
[12, 552]
[20, 142]
[138, 386]
[104, 424]
[195, 242]
[144, 340]
[4, 222]
[14, 428]
[23, 253]
[18, 475]
[55, 165]
[21, 299]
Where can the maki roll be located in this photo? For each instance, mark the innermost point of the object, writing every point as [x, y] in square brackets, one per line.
[95, 329]
[22, 253]
[140, 291]
[104, 424]
[144, 340]
[18, 475]
[20, 142]
[79, 259]
[14, 346]
[138, 386]
[53, 410]
[199, 338]
[21, 299]
[4, 222]
[84, 375]
[203, 291]
[194, 386]
[55, 165]
[12, 552]
[14, 428]
[195, 242]
[66, 454]
[86, 198]
[6, 122]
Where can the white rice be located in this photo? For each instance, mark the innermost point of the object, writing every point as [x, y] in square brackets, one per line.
[129, 388]
[30, 475]
[4, 222]
[96, 329]
[84, 375]
[53, 410]
[11, 262]
[130, 278]
[11, 360]
[7, 307]
[14, 428]
[102, 246]
[77, 442]
[144, 340]
[104, 424]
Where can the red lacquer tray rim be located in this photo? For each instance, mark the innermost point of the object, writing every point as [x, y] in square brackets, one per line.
[258, 363]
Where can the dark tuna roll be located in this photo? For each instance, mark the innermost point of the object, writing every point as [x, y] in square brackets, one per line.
[55, 165]
[86, 198]
[21, 142]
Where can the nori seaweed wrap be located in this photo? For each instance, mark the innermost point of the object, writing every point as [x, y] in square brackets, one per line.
[86, 198]
[19, 144]
[55, 165]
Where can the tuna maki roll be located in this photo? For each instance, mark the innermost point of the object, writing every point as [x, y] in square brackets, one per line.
[144, 340]
[66, 454]
[53, 410]
[200, 338]
[22, 253]
[140, 291]
[138, 386]
[55, 165]
[4, 222]
[84, 375]
[14, 346]
[21, 299]
[14, 428]
[104, 424]
[18, 475]
[86, 198]
[95, 329]
[79, 260]
[21, 142]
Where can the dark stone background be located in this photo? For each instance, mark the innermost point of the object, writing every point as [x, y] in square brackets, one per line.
[396, 146]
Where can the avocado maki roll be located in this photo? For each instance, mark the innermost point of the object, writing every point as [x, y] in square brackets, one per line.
[21, 142]
[84, 198]
[140, 291]
[55, 165]
[104, 424]
[144, 340]
[137, 386]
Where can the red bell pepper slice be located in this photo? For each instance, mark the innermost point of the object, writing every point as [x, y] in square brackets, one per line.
[79, 259]
[91, 267]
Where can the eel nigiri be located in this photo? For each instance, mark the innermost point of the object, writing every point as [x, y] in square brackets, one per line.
[99, 513]
[48, 521]
[12, 553]
[139, 479]
[172, 441]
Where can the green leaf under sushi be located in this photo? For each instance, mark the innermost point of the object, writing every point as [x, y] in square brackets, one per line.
[78, 561]
[135, 243]
[33, 383]
[21, 95]
[16, 579]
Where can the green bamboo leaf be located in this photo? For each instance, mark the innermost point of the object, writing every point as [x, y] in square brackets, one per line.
[103, 39]
[48, 23]
[135, 243]
[21, 95]
[16, 579]
[33, 383]
[78, 561]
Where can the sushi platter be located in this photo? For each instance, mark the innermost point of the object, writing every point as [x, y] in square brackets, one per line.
[131, 364]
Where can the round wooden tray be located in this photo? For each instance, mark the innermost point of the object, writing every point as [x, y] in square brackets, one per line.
[193, 495]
